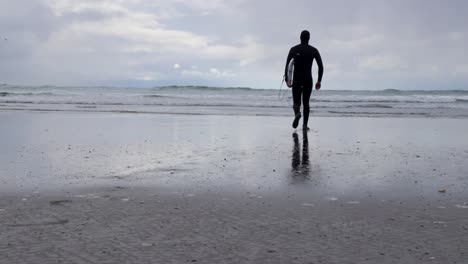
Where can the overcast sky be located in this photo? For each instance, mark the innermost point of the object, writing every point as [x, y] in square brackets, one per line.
[367, 44]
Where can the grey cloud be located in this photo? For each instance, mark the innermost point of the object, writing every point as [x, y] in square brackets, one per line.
[365, 44]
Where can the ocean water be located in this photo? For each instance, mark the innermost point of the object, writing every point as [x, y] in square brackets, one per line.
[233, 101]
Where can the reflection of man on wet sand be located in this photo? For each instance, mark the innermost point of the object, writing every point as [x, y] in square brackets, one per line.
[300, 168]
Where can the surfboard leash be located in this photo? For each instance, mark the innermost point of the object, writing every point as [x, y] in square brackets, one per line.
[281, 95]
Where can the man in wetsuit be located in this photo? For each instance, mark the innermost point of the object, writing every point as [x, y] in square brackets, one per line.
[303, 55]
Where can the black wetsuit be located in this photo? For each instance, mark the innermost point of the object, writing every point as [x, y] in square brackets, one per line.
[303, 55]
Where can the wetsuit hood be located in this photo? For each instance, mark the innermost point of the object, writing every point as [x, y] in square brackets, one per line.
[305, 36]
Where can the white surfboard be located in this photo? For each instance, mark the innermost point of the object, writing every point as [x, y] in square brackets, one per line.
[290, 73]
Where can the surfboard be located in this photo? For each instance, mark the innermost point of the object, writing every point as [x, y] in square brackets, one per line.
[290, 73]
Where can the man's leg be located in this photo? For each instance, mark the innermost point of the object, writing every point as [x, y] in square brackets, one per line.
[307, 91]
[296, 92]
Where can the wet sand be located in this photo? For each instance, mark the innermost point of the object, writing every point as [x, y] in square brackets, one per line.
[136, 188]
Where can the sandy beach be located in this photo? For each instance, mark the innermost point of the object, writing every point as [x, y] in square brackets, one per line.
[171, 132]
[149, 188]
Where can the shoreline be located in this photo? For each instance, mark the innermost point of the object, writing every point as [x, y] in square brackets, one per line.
[78, 149]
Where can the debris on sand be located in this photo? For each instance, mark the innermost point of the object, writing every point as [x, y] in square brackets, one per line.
[442, 190]
[46, 223]
[59, 202]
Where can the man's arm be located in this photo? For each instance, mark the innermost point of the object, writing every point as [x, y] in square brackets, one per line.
[320, 66]
[318, 58]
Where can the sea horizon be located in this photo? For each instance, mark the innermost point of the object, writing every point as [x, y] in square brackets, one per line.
[283, 86]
